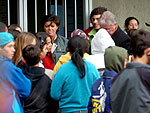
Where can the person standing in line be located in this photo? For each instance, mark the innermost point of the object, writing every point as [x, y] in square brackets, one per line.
[108, 21]
[72, 82]
[50, 24]
[23, 39]
[48, 60]
[130, 91]
[65, 58]
[21, 86]
[41, 43]
[94, 19]
[131, 23]
[39, 100]
[100, 97]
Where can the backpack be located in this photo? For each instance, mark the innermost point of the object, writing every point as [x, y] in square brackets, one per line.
[99, 101]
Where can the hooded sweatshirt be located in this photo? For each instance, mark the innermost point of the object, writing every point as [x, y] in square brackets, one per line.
[99, 43]
[100, 97]
[39, 100]
[117, 59]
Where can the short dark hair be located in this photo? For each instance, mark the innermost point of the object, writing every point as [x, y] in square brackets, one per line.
[41, 39]
[128, 20]
[31, 54]
[140, 40]
[15, 33]
[97, 11]
[50, 17]
[2, 27]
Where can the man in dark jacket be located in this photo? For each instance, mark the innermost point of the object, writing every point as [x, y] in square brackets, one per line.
[39, 100]
[108, 21]
[130, 91]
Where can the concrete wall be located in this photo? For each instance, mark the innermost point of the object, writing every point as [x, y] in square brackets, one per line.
[125, 8]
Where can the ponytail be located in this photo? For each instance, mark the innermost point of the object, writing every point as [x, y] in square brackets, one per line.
[78, 61]
[77, 46]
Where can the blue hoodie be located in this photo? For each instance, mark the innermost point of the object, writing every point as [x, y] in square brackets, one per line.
[17, 79]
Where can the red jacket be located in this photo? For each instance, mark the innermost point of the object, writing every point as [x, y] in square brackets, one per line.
[48, 62]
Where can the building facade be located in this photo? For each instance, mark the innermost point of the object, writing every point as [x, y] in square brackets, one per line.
[28, 13]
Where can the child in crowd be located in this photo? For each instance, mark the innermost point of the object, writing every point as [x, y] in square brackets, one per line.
[23, 39]
[65, 58]
[41, 43]
[39, 99]
[72, 83]
[100, 97]
[48, 60]
[13, 82]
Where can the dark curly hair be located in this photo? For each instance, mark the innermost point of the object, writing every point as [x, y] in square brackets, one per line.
[97, 11]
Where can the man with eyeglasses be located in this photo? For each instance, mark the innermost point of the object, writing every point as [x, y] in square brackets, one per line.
[108, 22]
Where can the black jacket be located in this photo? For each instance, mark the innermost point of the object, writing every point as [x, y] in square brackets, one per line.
[121, 39]
[39, 100]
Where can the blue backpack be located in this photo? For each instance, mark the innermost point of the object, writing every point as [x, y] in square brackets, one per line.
[99, 101]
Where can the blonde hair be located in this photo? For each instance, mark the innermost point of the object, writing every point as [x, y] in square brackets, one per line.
[23, 39]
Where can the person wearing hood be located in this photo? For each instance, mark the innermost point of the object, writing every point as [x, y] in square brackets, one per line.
[39, 99]
[100, 42]
[65, 58]
[100, 96]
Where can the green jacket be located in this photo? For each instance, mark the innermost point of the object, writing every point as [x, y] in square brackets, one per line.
[91, 35]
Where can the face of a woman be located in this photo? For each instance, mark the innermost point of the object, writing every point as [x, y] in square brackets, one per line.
[133, 24]
[44, 52]
[50, 28]
[49, 43]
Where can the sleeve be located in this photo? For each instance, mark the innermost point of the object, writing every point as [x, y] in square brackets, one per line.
[57, 84]
[58, 64]
[16, 77]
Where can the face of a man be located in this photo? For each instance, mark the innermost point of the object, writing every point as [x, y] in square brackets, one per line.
[44, 52]
[9, 50]
[110, 28]
[95, 21]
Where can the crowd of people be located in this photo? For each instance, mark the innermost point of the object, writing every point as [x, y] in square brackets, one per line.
[102, 69]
